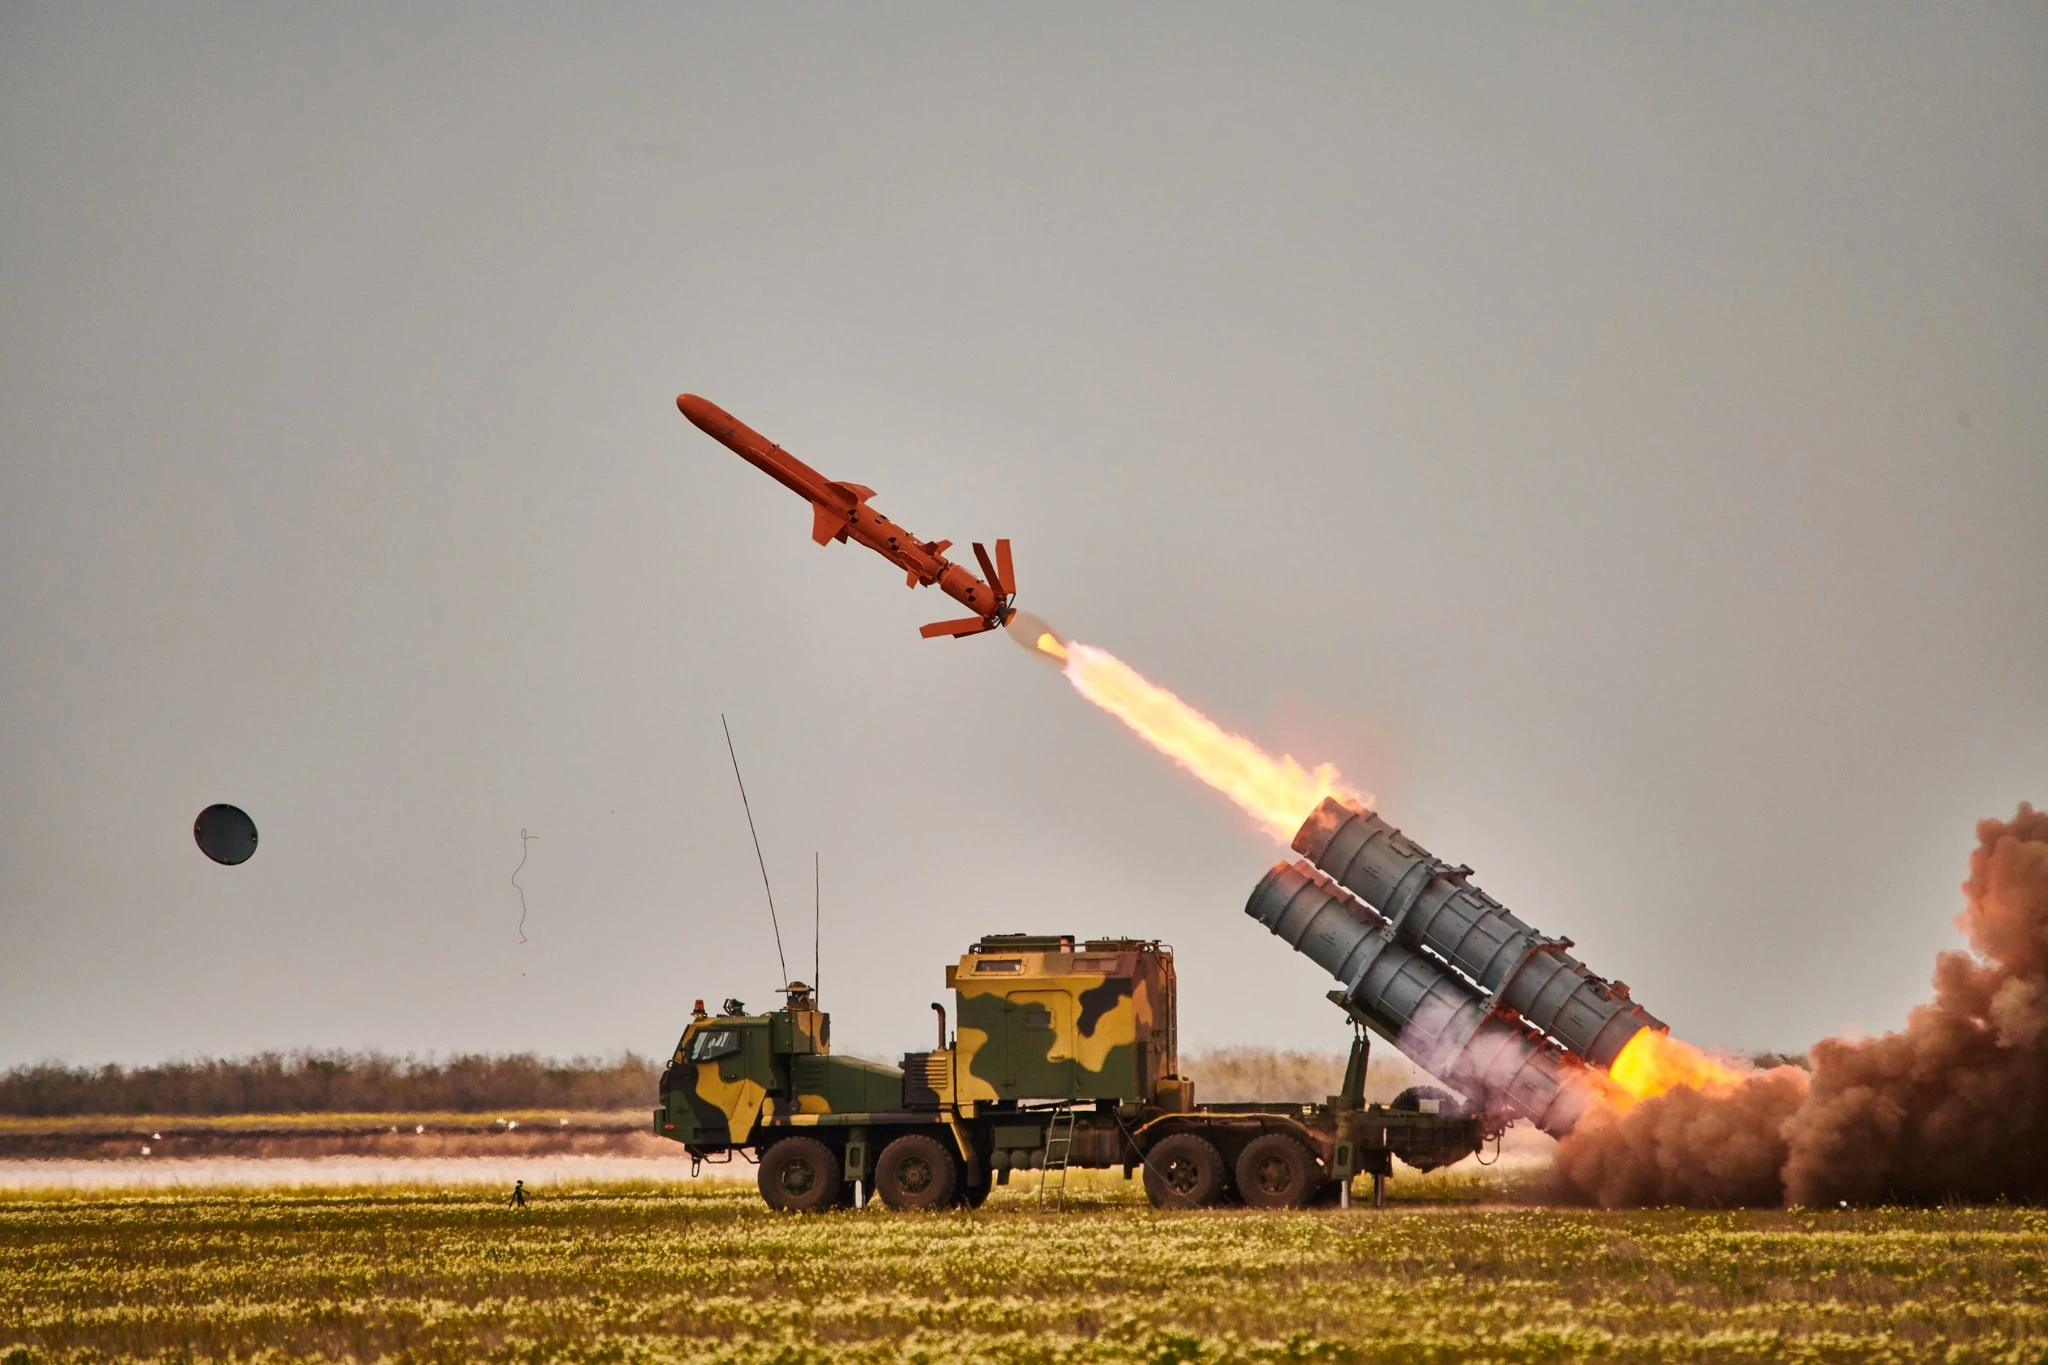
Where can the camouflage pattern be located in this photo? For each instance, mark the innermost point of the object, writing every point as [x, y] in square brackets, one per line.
[840, 1085]
[721, 1071]
[732, 1073]
[1041, 1019]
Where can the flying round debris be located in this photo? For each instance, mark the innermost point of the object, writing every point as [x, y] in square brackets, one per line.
[225, 834]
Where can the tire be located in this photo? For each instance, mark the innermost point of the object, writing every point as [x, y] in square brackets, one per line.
[1184, 1172]
[917, 1171]
[974, 1196]
[800, 1175]
[1411, 1100]
[1276, 1172]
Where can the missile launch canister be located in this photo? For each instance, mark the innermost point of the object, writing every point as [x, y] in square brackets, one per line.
[840, 511]
[1432, 906]
[1433, 1015]
[1447, 973]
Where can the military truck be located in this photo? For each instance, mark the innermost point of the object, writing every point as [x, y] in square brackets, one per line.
[1063, 1054]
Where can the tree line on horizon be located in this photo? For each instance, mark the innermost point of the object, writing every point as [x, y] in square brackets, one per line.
[335, 1082]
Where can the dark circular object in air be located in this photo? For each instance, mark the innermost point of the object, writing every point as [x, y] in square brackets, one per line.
[225, 834]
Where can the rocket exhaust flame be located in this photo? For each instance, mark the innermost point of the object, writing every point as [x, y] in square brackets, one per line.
[1278, 792]
[1651, 1063]
[1035, 634]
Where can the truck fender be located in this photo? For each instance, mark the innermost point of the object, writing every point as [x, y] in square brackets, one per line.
[969, 1157]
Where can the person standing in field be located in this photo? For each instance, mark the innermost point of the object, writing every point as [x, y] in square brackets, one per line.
[519, 1194]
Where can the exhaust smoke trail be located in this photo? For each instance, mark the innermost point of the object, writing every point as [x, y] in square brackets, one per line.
[1279, 793]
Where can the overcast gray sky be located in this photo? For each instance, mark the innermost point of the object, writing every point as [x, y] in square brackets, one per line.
[1616, 435]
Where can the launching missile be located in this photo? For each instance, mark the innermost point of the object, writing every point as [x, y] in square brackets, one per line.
[840, 511]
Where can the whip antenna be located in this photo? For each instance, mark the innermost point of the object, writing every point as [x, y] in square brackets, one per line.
[817, 924]
[773, 923]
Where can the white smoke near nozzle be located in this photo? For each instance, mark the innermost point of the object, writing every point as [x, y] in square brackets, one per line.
[1034, 633]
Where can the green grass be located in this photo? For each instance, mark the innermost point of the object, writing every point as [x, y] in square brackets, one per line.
[702, 1273]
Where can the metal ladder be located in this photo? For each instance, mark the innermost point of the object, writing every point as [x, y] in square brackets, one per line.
[1059, 1144]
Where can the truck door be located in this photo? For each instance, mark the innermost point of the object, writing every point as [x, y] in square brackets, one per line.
[729, 1063]
[1040, 1045]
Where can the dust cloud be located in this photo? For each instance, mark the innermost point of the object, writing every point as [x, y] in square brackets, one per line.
[1955, 1106]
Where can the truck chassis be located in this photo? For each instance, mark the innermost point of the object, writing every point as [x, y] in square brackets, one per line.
[1022, 1094]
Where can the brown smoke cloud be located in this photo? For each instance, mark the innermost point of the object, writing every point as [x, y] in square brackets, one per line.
[1954, 1106]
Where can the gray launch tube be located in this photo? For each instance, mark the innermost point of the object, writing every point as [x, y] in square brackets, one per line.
[1434, 1017]
[1430, 905]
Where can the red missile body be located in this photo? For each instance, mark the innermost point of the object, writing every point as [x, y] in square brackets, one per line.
[840, 511]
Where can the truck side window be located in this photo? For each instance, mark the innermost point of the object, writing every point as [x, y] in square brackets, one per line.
[714, 1043]
[1037, 1016]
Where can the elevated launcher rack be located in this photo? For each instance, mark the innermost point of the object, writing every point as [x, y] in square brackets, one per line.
[1447, 973]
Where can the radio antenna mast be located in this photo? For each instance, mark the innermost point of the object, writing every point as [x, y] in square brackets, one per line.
[773, 922]
[817, 923]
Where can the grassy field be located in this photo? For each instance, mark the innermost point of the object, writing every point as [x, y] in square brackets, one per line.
[702, 1273]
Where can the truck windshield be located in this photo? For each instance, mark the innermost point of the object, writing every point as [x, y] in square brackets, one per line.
[712, 1044]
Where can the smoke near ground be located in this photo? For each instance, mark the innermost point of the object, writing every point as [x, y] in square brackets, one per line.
[1954, 1106]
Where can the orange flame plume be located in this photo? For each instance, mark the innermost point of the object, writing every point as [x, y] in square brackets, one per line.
[1651, 1063]
[1277, 792]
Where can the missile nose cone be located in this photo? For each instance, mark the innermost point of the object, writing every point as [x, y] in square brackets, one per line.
[710, 418]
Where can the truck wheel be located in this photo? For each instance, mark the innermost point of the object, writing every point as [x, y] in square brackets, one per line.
[1411, 1100]
[974, 1196]
[799, 1175]
[916, 1172]
[1276, 1172]
[1183, 1172]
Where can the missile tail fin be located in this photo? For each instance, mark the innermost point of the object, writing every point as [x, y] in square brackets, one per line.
[988, 569]
[1005, 568]
[966, 625]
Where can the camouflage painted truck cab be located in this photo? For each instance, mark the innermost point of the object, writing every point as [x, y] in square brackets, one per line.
[1063, 1054]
